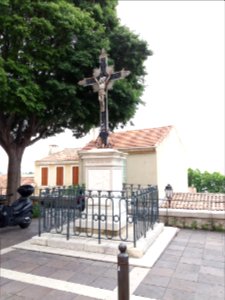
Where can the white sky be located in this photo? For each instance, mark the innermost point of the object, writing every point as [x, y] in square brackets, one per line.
[185, 82]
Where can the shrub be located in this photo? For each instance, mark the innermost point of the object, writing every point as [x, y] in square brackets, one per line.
[36, 210]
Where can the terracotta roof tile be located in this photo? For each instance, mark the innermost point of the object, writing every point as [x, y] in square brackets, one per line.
[142, 138]
[27, 180]
[65, 154]
[24, 180]
[3, 184]
[196, 201]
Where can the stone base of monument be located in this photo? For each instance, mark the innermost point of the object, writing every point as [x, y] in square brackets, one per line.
[107, 246]
[110, 222]
[102, 172]
[145, 254]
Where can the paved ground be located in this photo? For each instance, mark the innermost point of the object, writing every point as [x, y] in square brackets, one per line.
[192, 267]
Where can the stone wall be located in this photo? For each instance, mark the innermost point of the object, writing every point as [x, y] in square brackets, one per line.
[193, 219]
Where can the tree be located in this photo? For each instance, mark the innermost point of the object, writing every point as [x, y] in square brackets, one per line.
[210, 182]
[46, 47]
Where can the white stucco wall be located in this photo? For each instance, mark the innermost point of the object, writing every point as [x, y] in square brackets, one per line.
[67, 172]
[141, 168]
[171, 164]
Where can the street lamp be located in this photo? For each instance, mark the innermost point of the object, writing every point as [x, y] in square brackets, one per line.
[169, 193]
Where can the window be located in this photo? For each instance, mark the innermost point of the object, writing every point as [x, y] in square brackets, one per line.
[44, 176]
[59, 175]
[75, 174]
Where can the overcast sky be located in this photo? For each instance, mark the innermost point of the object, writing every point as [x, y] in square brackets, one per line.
[185, 85]
[185, 81]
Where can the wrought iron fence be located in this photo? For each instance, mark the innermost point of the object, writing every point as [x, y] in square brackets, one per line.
[124, 215]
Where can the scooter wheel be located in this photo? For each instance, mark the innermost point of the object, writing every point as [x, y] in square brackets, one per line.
[25, 222]
[24, 225]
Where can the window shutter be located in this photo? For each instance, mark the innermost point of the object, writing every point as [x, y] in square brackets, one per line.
[75, 179]
[59, 176]
[44, 176]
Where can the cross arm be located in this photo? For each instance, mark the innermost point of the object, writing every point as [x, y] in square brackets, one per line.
[87, 81]
[119, 75]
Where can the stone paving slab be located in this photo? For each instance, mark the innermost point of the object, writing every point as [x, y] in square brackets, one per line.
[175, 275]
[179, 275]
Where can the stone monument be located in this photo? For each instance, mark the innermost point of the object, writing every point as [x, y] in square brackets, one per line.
[102, 168]
[108, 210]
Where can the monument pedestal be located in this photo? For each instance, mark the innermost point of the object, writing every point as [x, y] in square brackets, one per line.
[102, 172]
[102, 169]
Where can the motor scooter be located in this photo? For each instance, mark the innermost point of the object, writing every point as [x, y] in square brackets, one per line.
[20, 212]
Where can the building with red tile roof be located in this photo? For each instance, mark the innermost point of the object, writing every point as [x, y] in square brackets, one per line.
[154, 156]
[135, 139]
[25, 179]
[62, 156]
[196, 201]
[60, 168]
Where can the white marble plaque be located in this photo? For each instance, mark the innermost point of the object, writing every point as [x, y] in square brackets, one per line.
[98, 179]
[117, 180]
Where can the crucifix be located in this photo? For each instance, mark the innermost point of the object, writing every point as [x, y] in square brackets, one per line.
[102, 81]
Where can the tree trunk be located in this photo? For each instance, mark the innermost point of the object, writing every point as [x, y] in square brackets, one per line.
[15, 154]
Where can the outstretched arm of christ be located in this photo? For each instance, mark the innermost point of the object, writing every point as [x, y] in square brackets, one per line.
[87, 81]
[119, 75]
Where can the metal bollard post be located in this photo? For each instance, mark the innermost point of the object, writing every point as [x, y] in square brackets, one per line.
[123, 273]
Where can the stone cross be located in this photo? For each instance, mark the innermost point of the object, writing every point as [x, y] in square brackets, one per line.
[102, 81]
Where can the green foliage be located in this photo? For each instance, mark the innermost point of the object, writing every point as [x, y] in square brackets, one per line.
[72, 190]
[46, 47]
[38, 56]
[205, 226]
[36, 210]
[219, 228]
[205, 181]
[194, 225]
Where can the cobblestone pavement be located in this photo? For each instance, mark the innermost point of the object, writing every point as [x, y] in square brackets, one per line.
[192, 267]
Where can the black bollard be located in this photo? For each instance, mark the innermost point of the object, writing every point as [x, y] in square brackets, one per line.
[123, 273]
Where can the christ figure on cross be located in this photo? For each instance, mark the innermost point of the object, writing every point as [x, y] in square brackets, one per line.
[101, 82]
[102, 86]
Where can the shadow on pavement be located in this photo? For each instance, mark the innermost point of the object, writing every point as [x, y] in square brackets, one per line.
[10, 236]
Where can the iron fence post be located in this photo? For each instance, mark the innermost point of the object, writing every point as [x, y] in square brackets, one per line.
[68, 221]
[123, 273]
[99, 216]
[157, 205]
[40, 215]
[134, 216]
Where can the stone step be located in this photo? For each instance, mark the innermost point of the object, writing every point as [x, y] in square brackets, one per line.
[146, 253]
